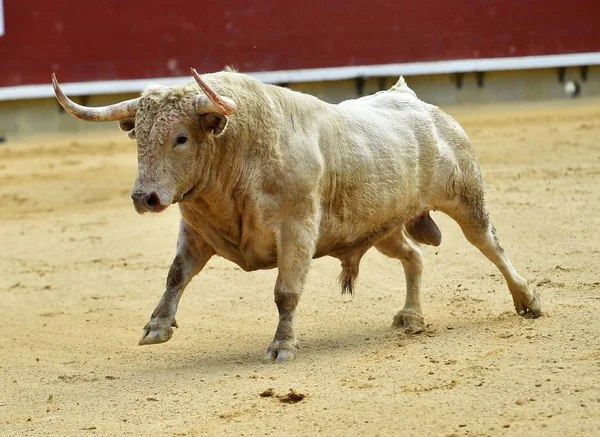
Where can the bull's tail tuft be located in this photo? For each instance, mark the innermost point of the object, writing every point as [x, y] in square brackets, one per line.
[350, 267]
[348, 287]
[347, 279]
[348, 275]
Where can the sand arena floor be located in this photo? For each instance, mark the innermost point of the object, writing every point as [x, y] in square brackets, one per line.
[80, 273]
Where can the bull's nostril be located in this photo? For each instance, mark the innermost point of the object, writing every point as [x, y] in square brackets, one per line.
[153, 200]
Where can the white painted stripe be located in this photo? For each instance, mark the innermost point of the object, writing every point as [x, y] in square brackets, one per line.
[317, 74]
[1, 18]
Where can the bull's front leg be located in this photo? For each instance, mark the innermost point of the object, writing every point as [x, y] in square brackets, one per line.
[295, 249]
[192, 255]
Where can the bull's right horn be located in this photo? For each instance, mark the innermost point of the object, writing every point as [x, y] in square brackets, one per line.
[115, 112]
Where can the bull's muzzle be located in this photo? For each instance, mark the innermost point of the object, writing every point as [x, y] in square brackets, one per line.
[147, 202]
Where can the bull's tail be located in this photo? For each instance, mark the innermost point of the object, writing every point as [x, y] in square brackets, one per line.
[347, 282]
[350, 267]
[424, 230]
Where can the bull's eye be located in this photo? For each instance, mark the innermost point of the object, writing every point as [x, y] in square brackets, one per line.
[181, 139]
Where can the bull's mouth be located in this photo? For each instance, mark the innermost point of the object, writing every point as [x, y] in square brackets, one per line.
[158, 208]
[153, 209]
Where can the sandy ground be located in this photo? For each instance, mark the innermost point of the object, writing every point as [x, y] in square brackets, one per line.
[81, 272]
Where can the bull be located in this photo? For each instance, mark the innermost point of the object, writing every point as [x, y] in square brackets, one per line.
[267, 177]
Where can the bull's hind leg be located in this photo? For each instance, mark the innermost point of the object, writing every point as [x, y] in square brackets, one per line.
[399, 246]
[473, 219]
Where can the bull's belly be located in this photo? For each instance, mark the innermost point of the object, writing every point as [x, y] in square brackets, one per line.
[254, 252]
[337, 237]
[353, 226]
[337, 243]
[248, 258]
[249, 261]
[263, 257]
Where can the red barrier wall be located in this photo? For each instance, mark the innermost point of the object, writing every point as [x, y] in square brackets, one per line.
[106, 40]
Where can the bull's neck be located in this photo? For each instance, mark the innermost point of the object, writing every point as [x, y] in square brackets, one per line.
[250, 140]
[221, 172]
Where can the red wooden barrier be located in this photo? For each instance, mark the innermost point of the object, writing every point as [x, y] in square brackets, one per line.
[108, 40]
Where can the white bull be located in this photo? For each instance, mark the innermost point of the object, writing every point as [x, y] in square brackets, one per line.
[267, 177]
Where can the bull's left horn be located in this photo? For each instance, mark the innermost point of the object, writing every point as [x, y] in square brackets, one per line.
[211, 101]
[115, 112]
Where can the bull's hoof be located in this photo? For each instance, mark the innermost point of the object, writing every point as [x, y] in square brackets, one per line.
[531, 309]
[280, 351]
[409, 320]
[157, 331]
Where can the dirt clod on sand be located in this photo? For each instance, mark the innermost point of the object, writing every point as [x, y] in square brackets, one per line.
[292, 397]
[67, 220]
[268, 393]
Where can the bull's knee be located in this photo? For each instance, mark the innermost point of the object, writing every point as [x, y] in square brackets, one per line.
[286, 301]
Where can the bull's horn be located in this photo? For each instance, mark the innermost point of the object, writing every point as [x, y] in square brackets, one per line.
[115, 112]
[211, 101]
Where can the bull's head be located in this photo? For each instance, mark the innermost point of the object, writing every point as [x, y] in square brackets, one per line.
[174, 128]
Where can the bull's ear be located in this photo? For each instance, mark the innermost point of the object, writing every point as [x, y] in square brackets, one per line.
[128, 125]
[214, 123]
